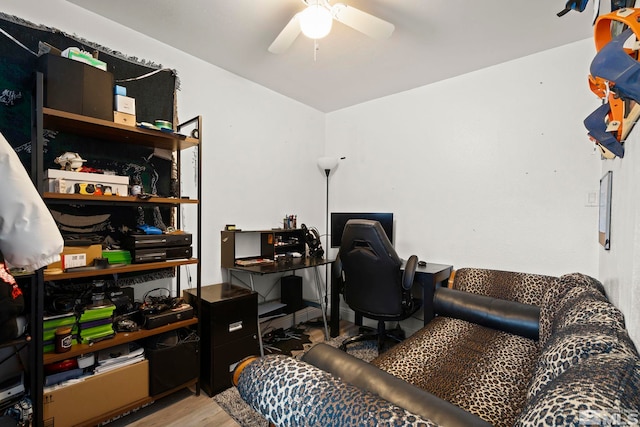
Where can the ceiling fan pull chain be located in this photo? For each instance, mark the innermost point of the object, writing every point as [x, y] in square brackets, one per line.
[315, 50]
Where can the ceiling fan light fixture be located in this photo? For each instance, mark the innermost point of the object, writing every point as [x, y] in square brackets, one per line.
[315, 21]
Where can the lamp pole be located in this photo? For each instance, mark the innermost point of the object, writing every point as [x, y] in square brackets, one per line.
[326, 244]
[327, 164]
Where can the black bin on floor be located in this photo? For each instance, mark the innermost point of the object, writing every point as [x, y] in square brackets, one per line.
[173, 360]
[291, 293]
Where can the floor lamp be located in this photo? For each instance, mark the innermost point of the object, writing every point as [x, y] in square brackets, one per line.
[327, 164]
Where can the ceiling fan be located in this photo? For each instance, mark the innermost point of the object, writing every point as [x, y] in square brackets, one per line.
[315, 22]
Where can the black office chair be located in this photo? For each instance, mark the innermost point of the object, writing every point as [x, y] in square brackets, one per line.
[372, 280]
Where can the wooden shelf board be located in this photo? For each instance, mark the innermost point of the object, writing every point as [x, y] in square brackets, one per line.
[129, 268]
[107, 130]
[120, 338]
[81, 198]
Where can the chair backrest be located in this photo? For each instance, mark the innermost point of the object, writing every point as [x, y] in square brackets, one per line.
[371, 270]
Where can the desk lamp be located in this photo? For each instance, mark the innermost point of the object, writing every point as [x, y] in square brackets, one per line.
[327, 164]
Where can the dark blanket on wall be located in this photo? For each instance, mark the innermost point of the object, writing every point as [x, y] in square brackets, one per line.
[152, 86]
[154, 95]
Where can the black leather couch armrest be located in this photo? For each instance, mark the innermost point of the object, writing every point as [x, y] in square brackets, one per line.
[394, 390]
[504, 315]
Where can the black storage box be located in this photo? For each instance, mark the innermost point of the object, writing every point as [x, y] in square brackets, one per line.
[76, 87]
[183, 312]
[160, 254]
[173, 360]
[291, 293]
[144, 241]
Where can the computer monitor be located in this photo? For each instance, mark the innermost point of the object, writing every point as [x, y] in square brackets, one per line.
[339, 220]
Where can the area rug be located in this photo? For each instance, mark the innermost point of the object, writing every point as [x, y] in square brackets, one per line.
[244, 415]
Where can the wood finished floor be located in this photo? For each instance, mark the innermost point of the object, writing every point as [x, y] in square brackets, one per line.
[184, 408]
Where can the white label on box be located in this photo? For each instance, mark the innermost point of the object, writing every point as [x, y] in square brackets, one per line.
[74, 260]
[125, 104]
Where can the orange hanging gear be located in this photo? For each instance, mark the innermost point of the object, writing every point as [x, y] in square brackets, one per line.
[614, 80]
[623, 113]
[608, 24]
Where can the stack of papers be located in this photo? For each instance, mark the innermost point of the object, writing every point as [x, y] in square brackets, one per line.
[253, 261]
[119, 356]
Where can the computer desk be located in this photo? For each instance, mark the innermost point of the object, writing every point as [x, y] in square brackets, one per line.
[428, 277]
[284, 266]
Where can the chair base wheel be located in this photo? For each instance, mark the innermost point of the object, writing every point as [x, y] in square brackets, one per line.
[369, 334]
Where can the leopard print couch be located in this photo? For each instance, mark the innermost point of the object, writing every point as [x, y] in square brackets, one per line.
[504, 349]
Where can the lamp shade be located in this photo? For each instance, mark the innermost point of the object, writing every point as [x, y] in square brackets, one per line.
[315, 21]
[327, 163]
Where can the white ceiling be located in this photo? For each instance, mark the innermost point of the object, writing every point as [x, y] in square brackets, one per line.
[433, 40]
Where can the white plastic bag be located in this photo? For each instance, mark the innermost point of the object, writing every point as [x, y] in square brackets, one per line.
[29, 237]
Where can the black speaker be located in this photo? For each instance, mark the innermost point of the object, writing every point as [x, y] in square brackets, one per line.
[291, 293]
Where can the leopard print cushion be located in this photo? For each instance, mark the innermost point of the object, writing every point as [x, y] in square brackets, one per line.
[580, 279]
[589, 308]
[567, 286]
[573, 345]
[289, 392]
[513, 286]
[595, 392]
[576, 293]
[481, 370]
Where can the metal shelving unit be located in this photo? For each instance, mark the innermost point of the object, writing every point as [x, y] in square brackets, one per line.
[47, 118]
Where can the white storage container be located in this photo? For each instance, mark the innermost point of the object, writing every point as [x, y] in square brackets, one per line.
[62, 181]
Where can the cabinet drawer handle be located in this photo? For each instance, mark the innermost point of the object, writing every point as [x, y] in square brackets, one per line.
[236, 326]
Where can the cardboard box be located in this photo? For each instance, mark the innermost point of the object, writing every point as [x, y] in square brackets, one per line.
[96, 395]
[76, 87]
[71, 256]
[125, 104]
[124, 118]
[119, 184]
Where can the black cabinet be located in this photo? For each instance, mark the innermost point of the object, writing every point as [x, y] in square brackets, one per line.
[229, 331]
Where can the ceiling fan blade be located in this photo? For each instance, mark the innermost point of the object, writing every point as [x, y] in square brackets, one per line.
[286, 37]
[362, 21]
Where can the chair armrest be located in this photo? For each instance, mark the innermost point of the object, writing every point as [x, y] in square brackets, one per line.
[409, 272]
[336, 275]
[336, 268]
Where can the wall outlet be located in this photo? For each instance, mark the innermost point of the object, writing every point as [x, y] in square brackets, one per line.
[592, 199]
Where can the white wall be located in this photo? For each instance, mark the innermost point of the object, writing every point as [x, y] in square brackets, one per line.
[259, 148]
[489, 169]
[619, 266]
